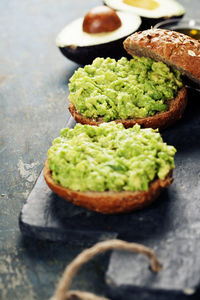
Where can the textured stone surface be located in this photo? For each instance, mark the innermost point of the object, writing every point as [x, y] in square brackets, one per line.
[179, 278]
[33, 109]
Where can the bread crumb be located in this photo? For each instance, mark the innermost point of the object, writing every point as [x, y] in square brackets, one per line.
[188, 291]
[191, 53]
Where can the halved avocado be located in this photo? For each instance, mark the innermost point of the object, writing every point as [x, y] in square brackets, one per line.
[151, 11]
[83, 47]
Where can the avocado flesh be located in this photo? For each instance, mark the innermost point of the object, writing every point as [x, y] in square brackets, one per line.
[165, 9]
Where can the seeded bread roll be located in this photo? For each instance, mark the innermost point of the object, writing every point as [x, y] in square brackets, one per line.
[109, 202]
[161, 120]
[173, 48]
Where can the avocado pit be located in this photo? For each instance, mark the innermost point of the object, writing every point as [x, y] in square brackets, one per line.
[101, 19]
[99, 34]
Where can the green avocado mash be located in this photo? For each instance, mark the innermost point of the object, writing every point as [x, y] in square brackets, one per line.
[123, 89]
[109, 157]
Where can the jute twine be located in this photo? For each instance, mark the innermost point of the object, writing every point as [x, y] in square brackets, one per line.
[62, 291]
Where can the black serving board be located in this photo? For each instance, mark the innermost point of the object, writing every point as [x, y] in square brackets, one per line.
[171, 225]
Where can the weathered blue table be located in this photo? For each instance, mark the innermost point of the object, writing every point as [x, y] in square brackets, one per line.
[33, 97]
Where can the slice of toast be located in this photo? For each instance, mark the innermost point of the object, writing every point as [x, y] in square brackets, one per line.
[109, 202]
[160, 120]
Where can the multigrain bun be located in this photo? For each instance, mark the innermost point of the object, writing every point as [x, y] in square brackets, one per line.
[173, 48]
[161, 120]
[109, 202]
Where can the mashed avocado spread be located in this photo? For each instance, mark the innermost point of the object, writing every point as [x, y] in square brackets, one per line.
[109, 157]
[123, 89]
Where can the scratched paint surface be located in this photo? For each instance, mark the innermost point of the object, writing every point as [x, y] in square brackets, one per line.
[33, 108]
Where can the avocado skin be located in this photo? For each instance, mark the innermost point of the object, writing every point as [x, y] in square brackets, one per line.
[86, 55]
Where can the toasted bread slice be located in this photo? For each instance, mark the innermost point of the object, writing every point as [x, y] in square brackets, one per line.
[173, 48]
[161, 120]
[109, 202]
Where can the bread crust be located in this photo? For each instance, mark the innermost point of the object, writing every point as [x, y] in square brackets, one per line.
[175, 49]
[161, 120]
[109, 202]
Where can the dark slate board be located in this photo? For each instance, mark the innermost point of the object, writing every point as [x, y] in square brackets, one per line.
[171, 225]
[130, 275]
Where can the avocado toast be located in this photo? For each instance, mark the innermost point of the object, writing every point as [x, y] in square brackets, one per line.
[139, 91]
[108, 168]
